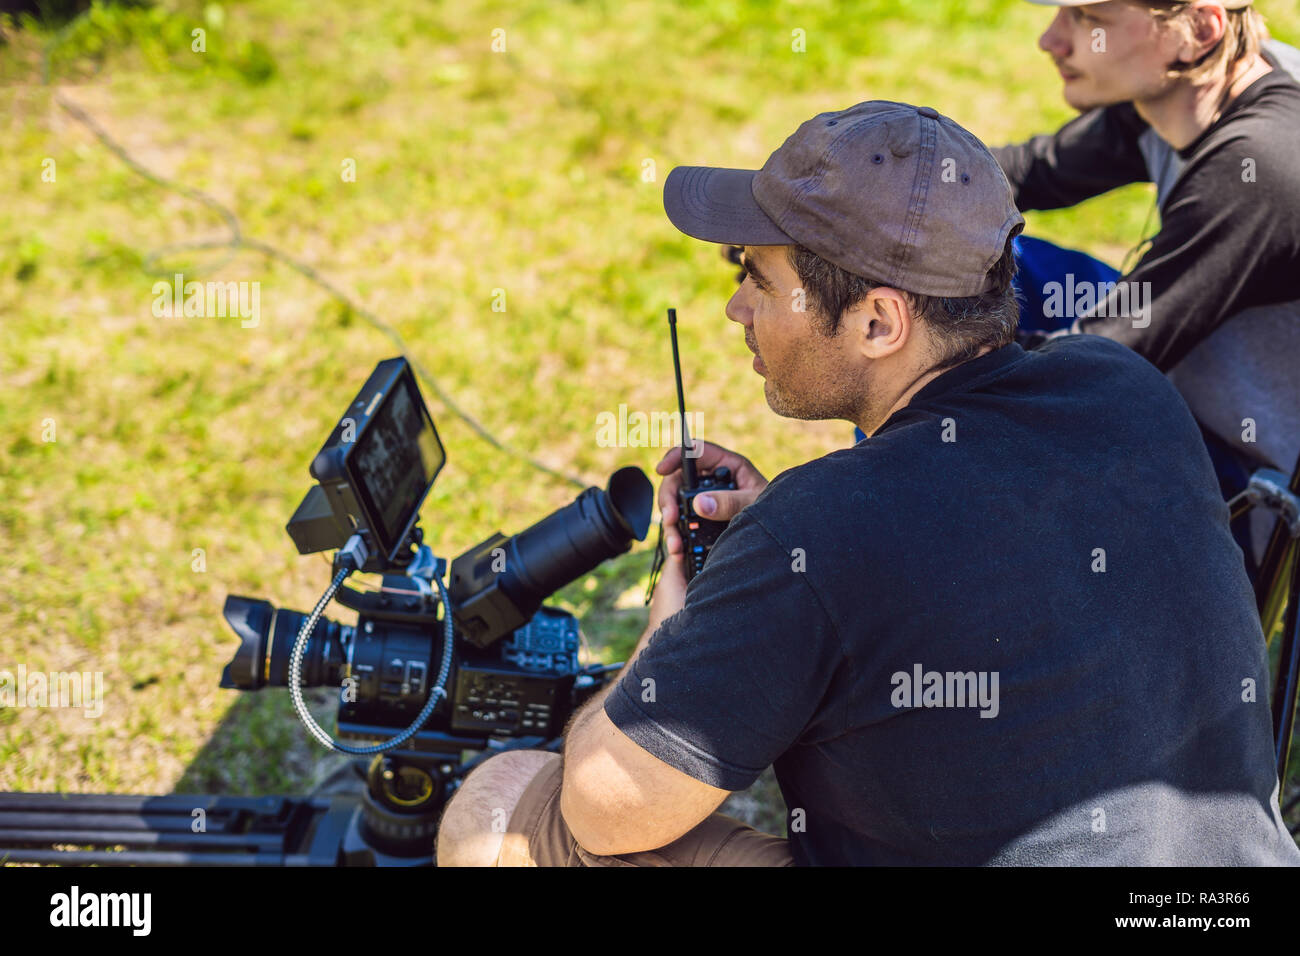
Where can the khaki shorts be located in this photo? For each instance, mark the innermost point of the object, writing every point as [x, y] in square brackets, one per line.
[537, 836]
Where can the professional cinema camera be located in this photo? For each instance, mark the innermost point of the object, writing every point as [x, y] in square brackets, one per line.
[442, 675]
[433, 671]
[499, 670]
[479, 665]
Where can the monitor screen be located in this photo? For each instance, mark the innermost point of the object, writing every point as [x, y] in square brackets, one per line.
[396, 459]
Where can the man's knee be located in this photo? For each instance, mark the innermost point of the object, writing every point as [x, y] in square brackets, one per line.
[474, 822]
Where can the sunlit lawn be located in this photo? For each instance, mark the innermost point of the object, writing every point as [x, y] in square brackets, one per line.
[530, 176]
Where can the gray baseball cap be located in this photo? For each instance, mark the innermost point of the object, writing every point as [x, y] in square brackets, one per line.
[894, 193]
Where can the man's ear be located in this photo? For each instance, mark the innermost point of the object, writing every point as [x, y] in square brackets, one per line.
[1208, 27]
[882, 321]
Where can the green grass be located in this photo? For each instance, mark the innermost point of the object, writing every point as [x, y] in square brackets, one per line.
[476, 171]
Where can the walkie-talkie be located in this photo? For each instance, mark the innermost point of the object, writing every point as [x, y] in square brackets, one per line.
[698, 533]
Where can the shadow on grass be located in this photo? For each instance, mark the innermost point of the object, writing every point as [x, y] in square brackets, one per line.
[261, 747]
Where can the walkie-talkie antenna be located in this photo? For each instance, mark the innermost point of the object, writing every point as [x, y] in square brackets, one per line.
[688, 463]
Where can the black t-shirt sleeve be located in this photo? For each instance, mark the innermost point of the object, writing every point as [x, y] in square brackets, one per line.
[735, 678]
[1094, 153]
[1228, 240]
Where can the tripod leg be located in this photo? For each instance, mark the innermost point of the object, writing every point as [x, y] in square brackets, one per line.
[1288, 669]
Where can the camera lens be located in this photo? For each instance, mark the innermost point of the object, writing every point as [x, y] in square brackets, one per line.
[568, 543]
[500, 583]
[266, 641]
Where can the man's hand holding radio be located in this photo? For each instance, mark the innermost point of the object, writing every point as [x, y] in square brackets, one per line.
[670, 591]
[727, 504]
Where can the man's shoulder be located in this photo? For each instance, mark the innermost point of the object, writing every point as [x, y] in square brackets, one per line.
[1084, 369]
[1077, 362]
[842, 493]
[806, 488]
[1265, 124]
[1107, 381]
[1086, 374]
[1275, 99]
[1083, 350]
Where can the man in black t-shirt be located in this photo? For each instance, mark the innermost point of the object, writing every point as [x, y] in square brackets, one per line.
[1193, 101]
[1009, 626]
[1197, 99]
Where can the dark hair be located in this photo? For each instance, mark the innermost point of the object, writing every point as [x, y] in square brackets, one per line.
[963, 326]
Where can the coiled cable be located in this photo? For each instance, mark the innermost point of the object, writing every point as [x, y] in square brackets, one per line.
[295, 674]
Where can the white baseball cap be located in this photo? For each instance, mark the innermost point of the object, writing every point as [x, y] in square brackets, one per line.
[1227, 4]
